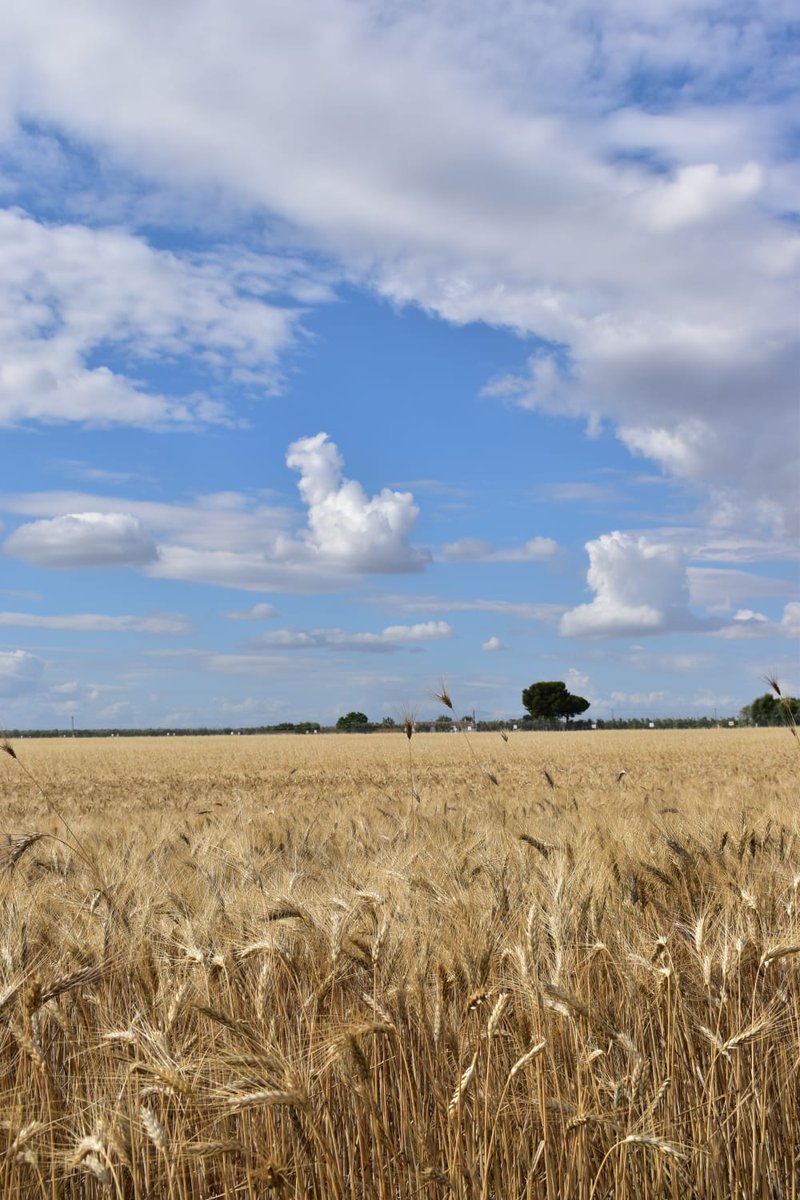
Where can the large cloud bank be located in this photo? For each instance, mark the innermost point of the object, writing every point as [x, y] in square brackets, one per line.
[618, 185]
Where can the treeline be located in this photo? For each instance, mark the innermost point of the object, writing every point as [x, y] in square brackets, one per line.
[198, 731]
[521, 724]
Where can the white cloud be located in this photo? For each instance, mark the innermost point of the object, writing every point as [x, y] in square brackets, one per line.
[20, 673]
[261, 570]
[790, 621]
[641, 587]
[478, 550]
[518, 183]
[595, 180]
[747, 614]
[161, 623]
[256, 612]
[345, 527]
[748, 623]
[584, 177]
[86, 539]
[493, 643]
[230, 519]
[226, 539]
[393, 637]
[68, 293]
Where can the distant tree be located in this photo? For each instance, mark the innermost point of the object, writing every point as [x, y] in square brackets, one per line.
[353, 722]
[549, 700]
[444, 721]
[768, 710]
[388, 723]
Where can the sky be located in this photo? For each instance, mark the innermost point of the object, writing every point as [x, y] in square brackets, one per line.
[350, 347]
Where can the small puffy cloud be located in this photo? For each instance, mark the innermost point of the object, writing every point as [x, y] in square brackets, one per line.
[748, 623]
[493, 643]
[345, 526]
[478, 550]
[256, 612]
[20, 672]
[394, 637]
[161, 623]
[640, 585]
[747, 614]
[87, 539]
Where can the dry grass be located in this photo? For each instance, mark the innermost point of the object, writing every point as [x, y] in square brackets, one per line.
[263, 967]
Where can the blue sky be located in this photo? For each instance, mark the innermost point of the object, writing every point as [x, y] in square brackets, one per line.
[346, 347]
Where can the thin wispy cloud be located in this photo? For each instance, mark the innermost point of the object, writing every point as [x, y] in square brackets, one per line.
[479, 550]
[387, 640]
[159, 623]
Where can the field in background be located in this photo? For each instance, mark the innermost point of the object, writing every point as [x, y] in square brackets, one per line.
[359, 967]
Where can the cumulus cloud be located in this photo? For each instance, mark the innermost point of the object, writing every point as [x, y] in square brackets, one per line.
[68, 293]
[86, 539]
[477, 550]
[20, 673]
[493, 643]
[640, 585]
[345, 526]
[160, 623]
[228, 539]
[393, 637]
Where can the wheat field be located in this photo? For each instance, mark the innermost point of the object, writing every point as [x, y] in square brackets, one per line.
[561, 965]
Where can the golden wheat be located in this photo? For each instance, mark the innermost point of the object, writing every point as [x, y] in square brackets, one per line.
[257, 970]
